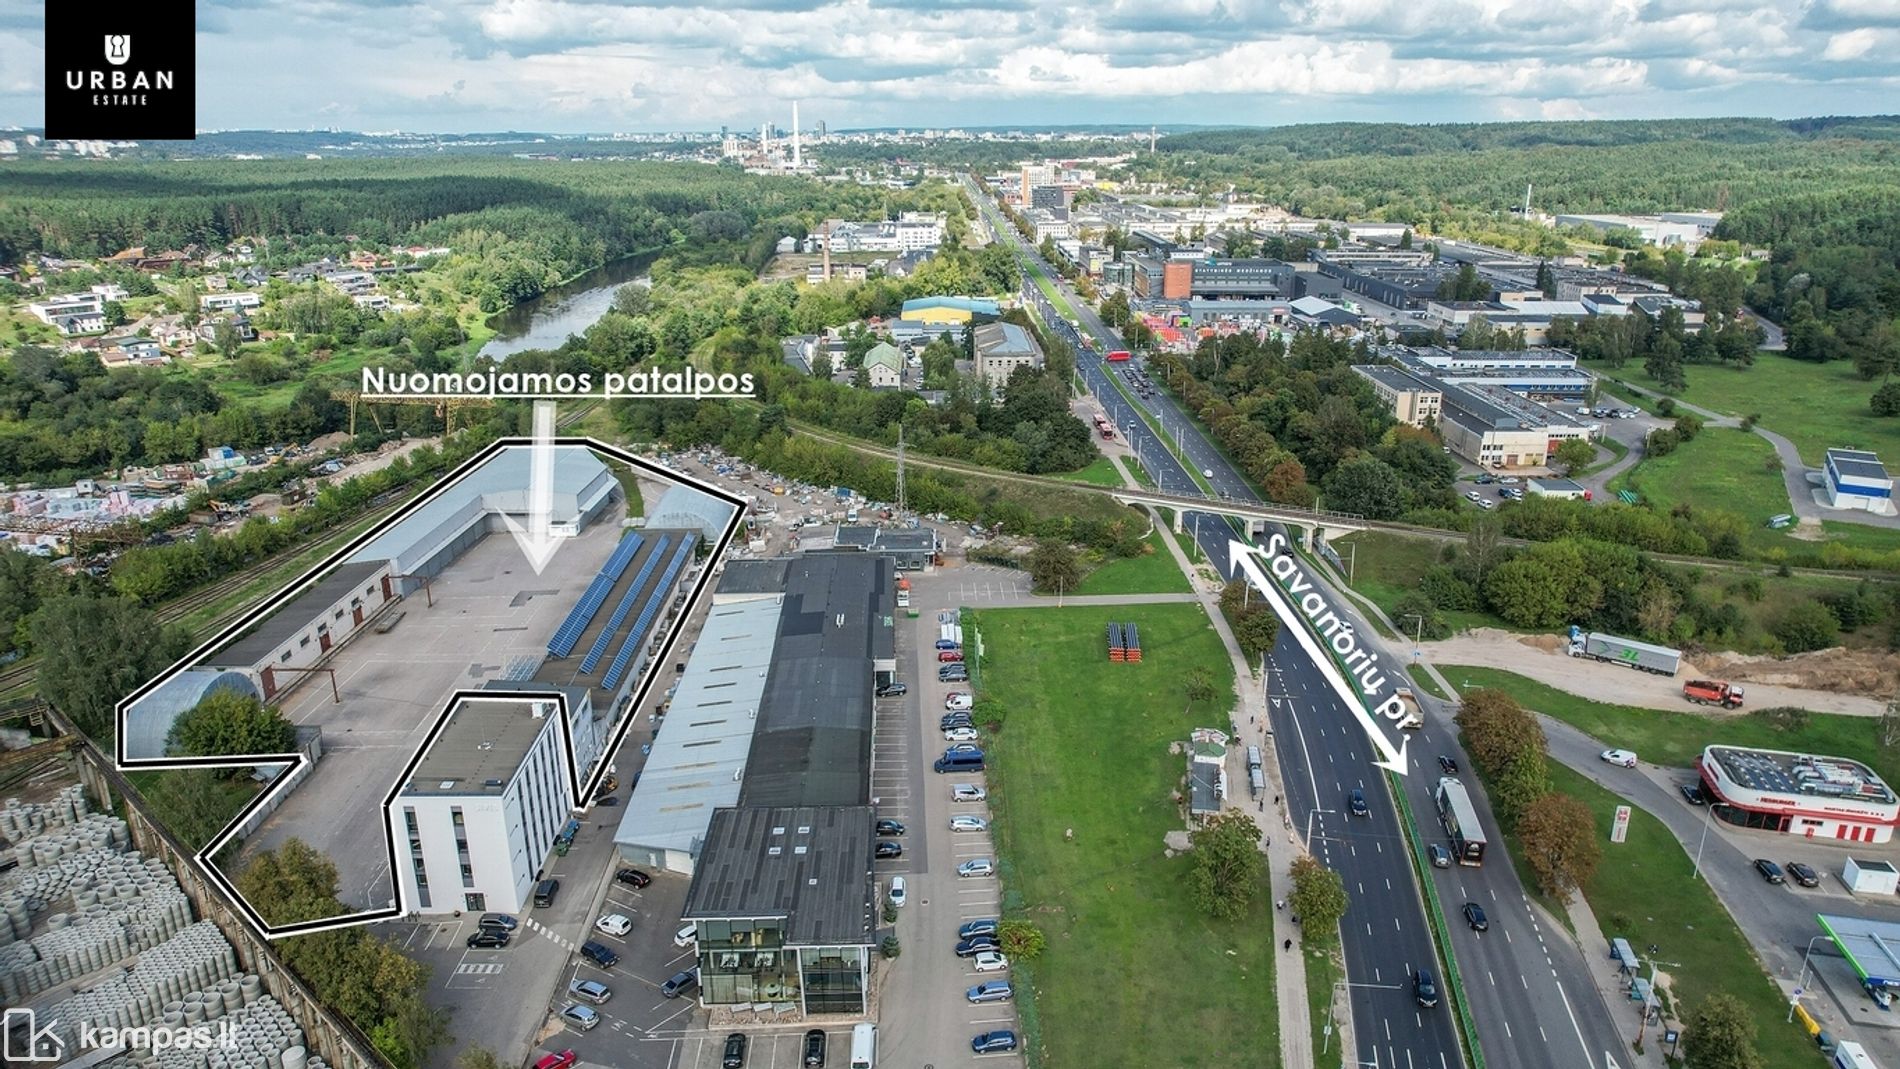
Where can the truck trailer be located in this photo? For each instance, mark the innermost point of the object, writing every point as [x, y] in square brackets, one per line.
[1624, 651]
[1713, 692]
[1413, 719]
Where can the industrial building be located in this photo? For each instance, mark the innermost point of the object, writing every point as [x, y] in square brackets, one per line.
[1856, 479]
[952, 311]
[1001, 348]
[294, 639]
[1800, 794]
[1413, 399]
[1550, 374]
[1479, 409]
[1568, 489]
[910, 549]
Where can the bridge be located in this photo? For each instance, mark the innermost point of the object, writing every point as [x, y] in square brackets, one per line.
[1256, 515]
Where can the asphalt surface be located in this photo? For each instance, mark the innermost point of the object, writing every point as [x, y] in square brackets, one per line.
[1531, 991]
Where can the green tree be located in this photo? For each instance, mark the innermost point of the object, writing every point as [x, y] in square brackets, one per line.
[1807, 625]
[1574, 454]
[1021, 940]
[1318, 898]
[1526, 594]
[1368, 486]
[1519, 785]
[1054, 566]
[1559, 837]
[1886, 400]
[94, 651]
[1720, 1034]
[1200, 686]
[1497, 730]
[1256, 631]
[1228, 868]
[229, 722]
[194, 804]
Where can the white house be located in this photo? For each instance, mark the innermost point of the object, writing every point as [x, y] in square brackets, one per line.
[230, 302]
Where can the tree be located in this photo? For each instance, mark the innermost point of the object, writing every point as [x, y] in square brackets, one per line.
[1497, 730]
[1803, 626]
[480, 1057]
[224, 338]
[1054, 566]
[1527, 594]
[1021, 940]
[194, 804]
[1519, 786]
[94, 651]
[1229, 869]
[1256, 631]
[1318, 898]
[1559, 836]
[1574, 454]
[1546, 280]
[1405, 239]
[1200, 686]
[1720, 1034]
[1886, 400]
[1483, 550]
[229, 722]
[1368, 486]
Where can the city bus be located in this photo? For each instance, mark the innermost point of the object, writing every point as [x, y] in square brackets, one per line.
[1461, 822]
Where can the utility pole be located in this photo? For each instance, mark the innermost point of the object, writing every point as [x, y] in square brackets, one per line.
[1650, 997]
[900, 467]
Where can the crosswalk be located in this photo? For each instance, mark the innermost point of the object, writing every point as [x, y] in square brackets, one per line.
[478, 968]
[550, 934]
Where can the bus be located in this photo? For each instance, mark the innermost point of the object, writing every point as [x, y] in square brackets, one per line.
[1116, 356]
[1461, 822]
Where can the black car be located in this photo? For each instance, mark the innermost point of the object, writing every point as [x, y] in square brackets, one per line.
[634, 877]
[1356, 803]
[890, 827]
[488, 939]
[885, 849]
[1692, 794]
[959, 676]
[891, 690]
[815, 1048]
[734, 1057]
[1424, 988]
[1804, 875]
[1474, 916]
[1768, 869]
[976, 944]
[599, 954]
[955, 720]
[1448, 766]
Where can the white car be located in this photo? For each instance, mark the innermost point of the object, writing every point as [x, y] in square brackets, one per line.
[1625, 758]
[960, 735]
[968, 792]
[990, 961]
[957, 701]
[1473, 495]
[969, 824]
[899, 891]
[614, 924]
[977, 866]
[686, 936]
[1486, 505]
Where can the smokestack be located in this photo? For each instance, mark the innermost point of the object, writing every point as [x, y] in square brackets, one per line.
[796, 160]
[827, 250]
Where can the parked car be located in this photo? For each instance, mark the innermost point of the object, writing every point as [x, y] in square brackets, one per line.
[1441, 857]
[734, 1055]
[578, 1016]
[557, 1060]
[1356, 803]
[899, 891]
[814, 1048]
[1474, 916]
[979, 927]
[960, 734]
[949, 656]
[1692, 794]
[976, 944]
[634, 877]
[1803, 874]
[968, 792]
[954, 674]
[968, 823]
[614, 924]
[599, 954]
[976, 866]
[997, 1042]
[1473, 495]
[488, 939]
[1768, 869]
[1487, 505]
[990, 961]
[501, 922]
[686, 936]
[889, 827]
[1424, 988]
[990, 991]
[955, 720]
[1448, 766]
[1485, 478]
[1624, 758]
[957, 701]
[592, 990]
[893, 690]
[680, 983]
[963, 747]
[885, 848]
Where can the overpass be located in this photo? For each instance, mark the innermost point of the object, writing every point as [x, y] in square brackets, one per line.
[1256, 515]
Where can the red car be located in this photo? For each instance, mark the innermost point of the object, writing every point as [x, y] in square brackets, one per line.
[949, 655]
[556, 1061]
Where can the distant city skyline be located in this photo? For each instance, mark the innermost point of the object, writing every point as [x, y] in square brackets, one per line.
[578, 66]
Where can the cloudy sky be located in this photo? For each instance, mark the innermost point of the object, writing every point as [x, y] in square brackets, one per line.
[577, 65]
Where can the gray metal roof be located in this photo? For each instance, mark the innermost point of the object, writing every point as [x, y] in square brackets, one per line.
[810, 865]
[1857, 464]
[1396, 378]
[1004, 339]
[148, 722]
[1561, 486]
[764, 576]
[294, 616]
[482, 747]
[700, 753]
[1872, 947]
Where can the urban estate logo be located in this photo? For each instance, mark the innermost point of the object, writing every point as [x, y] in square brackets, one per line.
[112, 91]
[26, 1040]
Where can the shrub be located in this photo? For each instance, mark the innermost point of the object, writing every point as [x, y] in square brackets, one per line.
[1666, 406]
[889, 947]
[1807, 625]
[1446, 590]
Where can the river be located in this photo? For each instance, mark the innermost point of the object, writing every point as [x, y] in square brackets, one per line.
[547, 320]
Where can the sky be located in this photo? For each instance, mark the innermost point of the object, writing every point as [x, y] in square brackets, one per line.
[572, 66]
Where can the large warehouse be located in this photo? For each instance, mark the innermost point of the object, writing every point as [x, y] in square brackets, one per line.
[1800, 794]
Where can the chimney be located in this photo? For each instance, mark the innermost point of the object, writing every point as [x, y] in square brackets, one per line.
[796, 160]
[827, 250]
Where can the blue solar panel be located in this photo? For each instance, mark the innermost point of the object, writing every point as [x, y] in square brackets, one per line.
[661, 591]
[583, 612]
[606, 636]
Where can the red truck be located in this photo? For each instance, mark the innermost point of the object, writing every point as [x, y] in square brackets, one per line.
[1106, 428]
[1116, 356]
[1713, 692]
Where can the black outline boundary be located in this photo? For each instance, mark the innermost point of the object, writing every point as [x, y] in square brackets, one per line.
[202, 859]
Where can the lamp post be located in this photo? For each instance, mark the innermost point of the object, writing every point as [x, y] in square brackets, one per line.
[1418, 633]
[1801, 982]
[1702, 841]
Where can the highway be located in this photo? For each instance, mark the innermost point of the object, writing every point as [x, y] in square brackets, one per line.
[1531, 991]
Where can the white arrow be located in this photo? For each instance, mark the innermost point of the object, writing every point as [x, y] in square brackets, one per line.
[536, 540]
[1247, 558]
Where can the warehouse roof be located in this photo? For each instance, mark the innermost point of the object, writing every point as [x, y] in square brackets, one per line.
[1857, 464]
[684, 507]
[294, 616]
[810, 865]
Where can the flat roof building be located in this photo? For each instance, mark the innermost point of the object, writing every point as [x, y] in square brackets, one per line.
[911, 549]
[1801, 794]
[1564, 488]
[1001, 348]
[1856, 479]
[1414, 399]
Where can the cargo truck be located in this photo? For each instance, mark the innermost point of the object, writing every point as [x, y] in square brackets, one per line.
[1713, 692]
[1624, 651]
[1413, 719]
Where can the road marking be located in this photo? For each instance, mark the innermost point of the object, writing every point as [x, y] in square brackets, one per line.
[475, 968]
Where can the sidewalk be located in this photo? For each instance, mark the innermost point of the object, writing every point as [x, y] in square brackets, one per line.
[1280, 843]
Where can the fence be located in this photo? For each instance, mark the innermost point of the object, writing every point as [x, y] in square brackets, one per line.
[310, 744]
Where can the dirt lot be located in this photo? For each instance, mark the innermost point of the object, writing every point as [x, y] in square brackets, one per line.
[1771, 681]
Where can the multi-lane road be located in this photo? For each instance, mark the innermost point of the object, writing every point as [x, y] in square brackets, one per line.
[1531, 991]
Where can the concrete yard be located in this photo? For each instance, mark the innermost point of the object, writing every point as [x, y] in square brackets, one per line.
[489, 608]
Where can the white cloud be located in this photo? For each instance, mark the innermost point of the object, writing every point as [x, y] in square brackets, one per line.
[1851, 45]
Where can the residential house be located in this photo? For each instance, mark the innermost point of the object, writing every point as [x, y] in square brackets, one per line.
[80, 323]
[71, 304]
[229, 302]
[884, 365]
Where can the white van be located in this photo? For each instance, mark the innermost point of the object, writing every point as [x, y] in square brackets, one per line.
[863, 1046]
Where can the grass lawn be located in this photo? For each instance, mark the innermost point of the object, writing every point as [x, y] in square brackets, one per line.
[1617, 451]
[1423, 680]
[1134, 974]
[1322, 972]
[1722, 468]
[1391, 566]
[1154, 572]
[1100, 472]
[1815, 406]
[1642, 892]
[1677, 738]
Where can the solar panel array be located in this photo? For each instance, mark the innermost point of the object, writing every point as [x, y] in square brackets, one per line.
[583, 611]
[606, 636]
[661, 592]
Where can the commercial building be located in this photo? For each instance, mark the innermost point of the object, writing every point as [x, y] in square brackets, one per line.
[1541, 373]
[483, 807]
[1413, 399]
[1856, 479]
[280, 648]
[1800, 794]
[1050, 197]
[1479, 418]
[1001, 348]
[911, 549]
[1569, 489]
[1684, 230]
[1253, 279]
[949, 310]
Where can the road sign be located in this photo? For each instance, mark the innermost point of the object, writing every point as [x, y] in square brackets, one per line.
[1620, 827]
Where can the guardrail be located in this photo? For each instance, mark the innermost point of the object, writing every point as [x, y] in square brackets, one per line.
[1435, 917]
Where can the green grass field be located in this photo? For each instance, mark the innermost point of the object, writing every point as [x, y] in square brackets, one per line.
[1815, 406]
[1100, 472]
[1642, 891]
[1722, 468]
[1134, 974]
[1677, 738]
[1154, 572]
[1386, 567]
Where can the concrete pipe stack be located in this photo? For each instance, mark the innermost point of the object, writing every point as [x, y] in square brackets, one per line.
[189, 979]
[26, 820]
[253, 1033]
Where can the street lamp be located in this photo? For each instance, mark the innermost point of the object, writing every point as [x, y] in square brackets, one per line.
[1802, 982]
[1418, 633]
[1703, 840]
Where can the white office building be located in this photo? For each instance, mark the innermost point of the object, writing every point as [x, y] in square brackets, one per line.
[475, 822]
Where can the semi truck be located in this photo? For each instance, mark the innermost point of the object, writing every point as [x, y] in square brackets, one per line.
[1713, 692]
[1413, 719]
[1624, 651]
